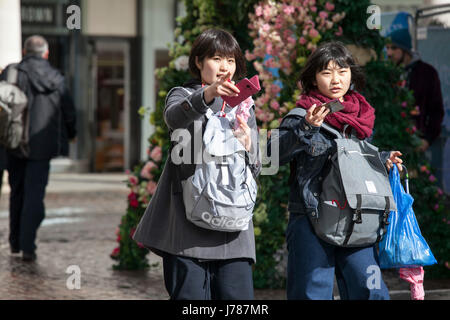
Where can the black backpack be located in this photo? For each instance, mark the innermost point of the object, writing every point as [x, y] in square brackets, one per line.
[13, 114]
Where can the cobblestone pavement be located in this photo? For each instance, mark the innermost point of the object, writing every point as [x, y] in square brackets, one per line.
[82, 213]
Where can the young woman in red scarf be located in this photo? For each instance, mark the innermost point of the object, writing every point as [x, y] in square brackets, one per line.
[330, 73]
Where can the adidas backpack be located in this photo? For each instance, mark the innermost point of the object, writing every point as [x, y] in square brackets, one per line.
[221, 194]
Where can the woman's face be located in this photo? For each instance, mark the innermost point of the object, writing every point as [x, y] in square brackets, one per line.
[214, 67]
[334, 81]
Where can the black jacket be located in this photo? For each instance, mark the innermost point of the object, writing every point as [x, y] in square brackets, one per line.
[51, 110]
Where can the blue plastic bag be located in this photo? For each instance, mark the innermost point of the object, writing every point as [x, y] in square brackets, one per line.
[403, 245]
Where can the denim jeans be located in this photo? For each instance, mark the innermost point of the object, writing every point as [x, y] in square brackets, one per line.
[313, 263]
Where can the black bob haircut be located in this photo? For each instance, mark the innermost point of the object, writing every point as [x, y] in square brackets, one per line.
[321, 57]
[216, 41]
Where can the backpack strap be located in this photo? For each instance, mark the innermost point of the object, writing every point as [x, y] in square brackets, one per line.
[13, 74]
[356, 218]
[300, 112]
[385, 222]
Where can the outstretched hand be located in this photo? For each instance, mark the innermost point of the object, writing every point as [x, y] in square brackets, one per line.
[221, 87]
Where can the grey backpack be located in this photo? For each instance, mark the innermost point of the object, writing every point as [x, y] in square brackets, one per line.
[356, 195]
[13, 113]
[221, 193]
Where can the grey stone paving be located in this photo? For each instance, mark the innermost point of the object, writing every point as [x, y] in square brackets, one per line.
[82, 213]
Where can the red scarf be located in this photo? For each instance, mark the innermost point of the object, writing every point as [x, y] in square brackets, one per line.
[357, 112]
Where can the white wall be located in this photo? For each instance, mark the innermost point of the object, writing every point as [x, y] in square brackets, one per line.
[10, 32]
[157, 31]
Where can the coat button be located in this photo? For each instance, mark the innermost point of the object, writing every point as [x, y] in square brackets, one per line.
[315, 194]
[313, 213]
[320, 178]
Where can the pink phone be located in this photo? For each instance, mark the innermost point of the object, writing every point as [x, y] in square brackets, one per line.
[247, 88]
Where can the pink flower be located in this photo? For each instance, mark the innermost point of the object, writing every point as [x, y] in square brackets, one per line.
[151, 187]
[447, 265]
[340, 32]
[404, 104]
[269, 47]
[432, 178]
[440, 192]
[291, 40]
[275, 105]
[313, 33]
[267, 11]
[436, 207]
[403, 114]
[323, 15]
[302, 41]
[147, 169]
[314, 9]
[329, 6]
[266, 27]
[288, 9]
[249, 56]
[259, 11]
[133, 180]
[156, 154]
[275, 88]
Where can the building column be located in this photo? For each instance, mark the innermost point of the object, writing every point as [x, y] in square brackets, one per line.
[10, 32]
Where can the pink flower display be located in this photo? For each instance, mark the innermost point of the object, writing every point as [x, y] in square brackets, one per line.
[284, 34]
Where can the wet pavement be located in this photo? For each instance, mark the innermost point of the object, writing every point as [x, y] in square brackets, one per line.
[82, 214]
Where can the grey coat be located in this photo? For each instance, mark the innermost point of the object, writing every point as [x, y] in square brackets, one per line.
[164, 226]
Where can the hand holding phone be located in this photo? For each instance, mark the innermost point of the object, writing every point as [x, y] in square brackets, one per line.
[247, 88]
[334, 106]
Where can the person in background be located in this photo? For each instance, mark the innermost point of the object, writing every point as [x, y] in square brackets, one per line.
[423, 79]
[52, 122]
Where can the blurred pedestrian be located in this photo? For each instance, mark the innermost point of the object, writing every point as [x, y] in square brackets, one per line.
[423, 79]
[51, 117]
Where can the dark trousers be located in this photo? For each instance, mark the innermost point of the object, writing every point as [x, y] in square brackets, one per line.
[313, 264]
[28, 180]
[190, 279]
